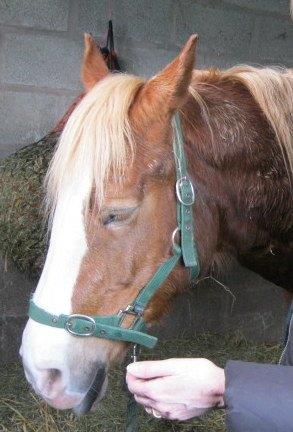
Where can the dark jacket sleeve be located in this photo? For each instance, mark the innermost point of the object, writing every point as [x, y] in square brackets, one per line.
[259, 397]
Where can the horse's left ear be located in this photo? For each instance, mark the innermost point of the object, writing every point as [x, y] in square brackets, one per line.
[169, 88]
[94, 67]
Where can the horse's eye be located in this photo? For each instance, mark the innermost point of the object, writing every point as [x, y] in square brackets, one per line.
[117, 217]
[109, 219]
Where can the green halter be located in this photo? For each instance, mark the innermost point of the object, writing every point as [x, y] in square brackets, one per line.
[110, 327]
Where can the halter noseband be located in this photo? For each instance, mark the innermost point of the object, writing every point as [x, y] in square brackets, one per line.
[110, 327]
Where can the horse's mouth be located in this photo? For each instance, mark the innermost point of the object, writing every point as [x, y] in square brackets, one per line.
[95, 393]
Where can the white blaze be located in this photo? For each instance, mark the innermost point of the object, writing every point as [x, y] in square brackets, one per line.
[43, 346]
[66, 250]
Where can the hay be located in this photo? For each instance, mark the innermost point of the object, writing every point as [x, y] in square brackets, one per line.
[21, 411]
[22, 231]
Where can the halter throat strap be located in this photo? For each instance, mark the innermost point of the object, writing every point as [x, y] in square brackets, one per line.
[111, 327]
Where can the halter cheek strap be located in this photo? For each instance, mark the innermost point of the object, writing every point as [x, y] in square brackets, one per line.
[185, 199]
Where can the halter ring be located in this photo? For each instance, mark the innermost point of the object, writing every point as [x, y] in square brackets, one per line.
[174, 234]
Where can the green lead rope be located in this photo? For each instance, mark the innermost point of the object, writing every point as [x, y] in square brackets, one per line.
[132, 416]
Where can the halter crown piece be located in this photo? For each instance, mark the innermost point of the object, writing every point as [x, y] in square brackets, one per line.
[110, 327]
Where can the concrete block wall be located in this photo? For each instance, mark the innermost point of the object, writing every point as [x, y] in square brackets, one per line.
[15, 290]
[41, 47]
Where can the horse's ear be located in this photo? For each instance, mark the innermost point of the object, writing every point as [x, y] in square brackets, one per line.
[169, 88]
[94, 67]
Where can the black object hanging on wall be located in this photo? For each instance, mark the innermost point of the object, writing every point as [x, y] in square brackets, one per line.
[108, 51]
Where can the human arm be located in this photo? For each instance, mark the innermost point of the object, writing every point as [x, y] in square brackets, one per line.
[259, 397]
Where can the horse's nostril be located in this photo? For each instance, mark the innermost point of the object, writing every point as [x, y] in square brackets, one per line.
[49, 383]
[54, 375]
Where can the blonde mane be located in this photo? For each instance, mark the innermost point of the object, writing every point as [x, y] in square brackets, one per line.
[272, 89]
[96, 140]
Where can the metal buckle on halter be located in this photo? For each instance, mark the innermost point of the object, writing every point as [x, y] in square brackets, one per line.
[89, 328]
[189, 197]
[130, 310]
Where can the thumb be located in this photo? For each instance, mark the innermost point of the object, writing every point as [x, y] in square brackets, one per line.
[151, 369]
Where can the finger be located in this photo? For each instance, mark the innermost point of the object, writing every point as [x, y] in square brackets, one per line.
[146, 402]
[167, 409]
[151, 369]
[184, 415]
[163, 408]
[137, 386]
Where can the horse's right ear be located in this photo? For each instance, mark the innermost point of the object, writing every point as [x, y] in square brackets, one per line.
[94, 67]
[168, 90]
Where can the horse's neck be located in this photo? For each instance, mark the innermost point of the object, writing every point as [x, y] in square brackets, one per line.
[244, 187]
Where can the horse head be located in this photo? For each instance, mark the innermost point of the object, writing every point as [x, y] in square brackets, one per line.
[110, 196]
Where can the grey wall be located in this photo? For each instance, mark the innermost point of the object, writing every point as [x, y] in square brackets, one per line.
[41, 47]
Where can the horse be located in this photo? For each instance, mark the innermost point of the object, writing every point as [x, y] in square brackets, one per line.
[111, 201]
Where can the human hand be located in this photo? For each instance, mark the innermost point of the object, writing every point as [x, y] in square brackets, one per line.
[177, 389]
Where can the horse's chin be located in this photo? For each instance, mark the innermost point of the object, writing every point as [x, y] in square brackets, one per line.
[94, 395]
[62, 402]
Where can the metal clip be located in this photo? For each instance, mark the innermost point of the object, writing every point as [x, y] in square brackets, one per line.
[130, 310]
[135, 353]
